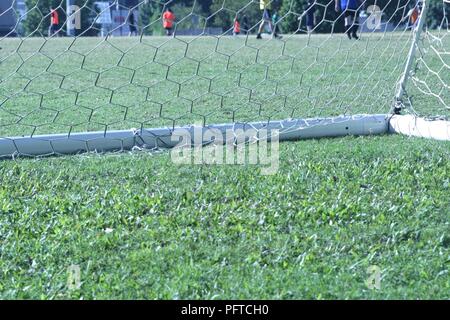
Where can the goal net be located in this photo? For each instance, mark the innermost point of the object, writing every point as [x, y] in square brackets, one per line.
[429, 93]
[84, 75]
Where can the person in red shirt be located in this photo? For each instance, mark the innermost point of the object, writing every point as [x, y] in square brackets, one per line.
[168, 19]
[54, 22]
[413, 16]
[236, 27]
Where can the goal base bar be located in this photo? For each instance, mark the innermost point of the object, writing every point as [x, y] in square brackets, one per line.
[413, 126]
[62, 144]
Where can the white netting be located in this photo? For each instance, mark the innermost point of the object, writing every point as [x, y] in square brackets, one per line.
[430, 90]
[86, 74]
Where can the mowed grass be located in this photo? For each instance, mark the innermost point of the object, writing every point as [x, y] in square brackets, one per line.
[139, 226]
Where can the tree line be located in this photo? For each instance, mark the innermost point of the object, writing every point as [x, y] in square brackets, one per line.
[221, 14]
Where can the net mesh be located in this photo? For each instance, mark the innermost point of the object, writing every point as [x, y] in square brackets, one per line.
[87, 74]
[430, 90]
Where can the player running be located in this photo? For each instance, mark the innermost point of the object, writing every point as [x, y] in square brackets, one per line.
[168, 19]
[350, 10]
[265, 6]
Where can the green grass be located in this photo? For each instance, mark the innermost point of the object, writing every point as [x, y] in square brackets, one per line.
[335, 207]
[140, 226]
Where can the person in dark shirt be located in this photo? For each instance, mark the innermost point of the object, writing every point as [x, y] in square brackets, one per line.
[244, 26]
[132, 24]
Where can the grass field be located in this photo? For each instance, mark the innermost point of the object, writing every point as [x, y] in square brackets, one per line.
[139, 226]
[310, 231]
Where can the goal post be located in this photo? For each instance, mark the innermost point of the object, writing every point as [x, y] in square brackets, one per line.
[372, 69]
[156, 138]
[411, 125]
[428, 68]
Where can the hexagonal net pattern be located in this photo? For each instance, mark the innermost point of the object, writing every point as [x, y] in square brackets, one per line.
[104, 66]
[429, 91]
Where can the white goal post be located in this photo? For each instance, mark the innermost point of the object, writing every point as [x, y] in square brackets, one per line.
[412, 124]
[164, 137]
[312, 83]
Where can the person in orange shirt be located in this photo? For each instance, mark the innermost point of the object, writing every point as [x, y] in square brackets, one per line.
[413, 16]
[54, 22]
[236, 27]
[168, 19]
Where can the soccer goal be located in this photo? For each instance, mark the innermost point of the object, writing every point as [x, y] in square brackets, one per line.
[95, 76]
